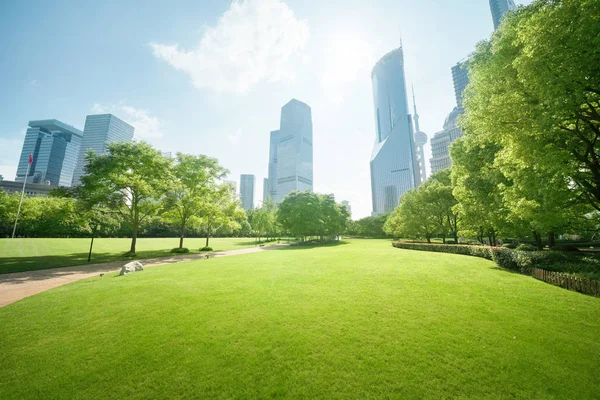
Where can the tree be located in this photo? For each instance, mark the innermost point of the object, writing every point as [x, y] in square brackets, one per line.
[130, 181]
[194, 178]
[220, 210]
[411, 218]
[535, 95]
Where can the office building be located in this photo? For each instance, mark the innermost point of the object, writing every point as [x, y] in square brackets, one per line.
[420, 139]
[31, 189]
[98, 132]
[499, 8]
[346, 204]
[247, 191]
[265, 189]
[394, 166]
[233, 185]
[291, 152]
[441, 141]
[54, 147]
[460, 79]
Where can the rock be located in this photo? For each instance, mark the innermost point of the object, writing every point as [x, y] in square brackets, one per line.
[131, 267]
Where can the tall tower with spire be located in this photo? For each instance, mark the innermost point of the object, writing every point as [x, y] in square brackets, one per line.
[394, 164]
[420, 140]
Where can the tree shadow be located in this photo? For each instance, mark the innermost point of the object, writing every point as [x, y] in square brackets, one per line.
[301, 246]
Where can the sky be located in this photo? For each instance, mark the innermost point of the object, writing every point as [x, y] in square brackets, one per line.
[210, 76]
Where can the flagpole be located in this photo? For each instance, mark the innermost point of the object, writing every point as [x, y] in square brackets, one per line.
[22, 193]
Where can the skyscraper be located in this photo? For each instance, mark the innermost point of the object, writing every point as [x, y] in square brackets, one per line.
[291, 152]
[420, 140]
[394, 166]
[441, 141]
[460, 78]
[265, 189]
[247, 191]
[98, 132]
[54, 147]
[499, 8]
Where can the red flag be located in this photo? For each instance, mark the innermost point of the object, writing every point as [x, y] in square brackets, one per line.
[30, 158]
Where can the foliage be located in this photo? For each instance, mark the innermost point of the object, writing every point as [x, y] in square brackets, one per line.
[180, 250]
[467, 250]
[526, 247]
[370, 227]
[305, 214]
[206, 248]
[194, 179]
[130, 181]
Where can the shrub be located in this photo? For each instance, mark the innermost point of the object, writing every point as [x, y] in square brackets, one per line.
[206, 248]
[180, 251]
[566, 247]
[468, 250]
[526, 247]
[450, 241]
[509, 245]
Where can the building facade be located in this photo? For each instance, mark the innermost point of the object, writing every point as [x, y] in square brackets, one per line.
[460, 79]
[247, 191]
[98, 132]
[394, 165]
[291, 152]
[265, 189]
[346, 204]
[499, 8]
[31, 189]
[441, 141]
[54, 147]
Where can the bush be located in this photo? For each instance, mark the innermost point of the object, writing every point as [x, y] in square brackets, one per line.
[468, 250]
[450, 241]
[206, 248]
[526, 247]
[509, 246]
[180, 251]
[566, 247]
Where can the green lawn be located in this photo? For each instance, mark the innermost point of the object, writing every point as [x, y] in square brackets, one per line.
[358, 320]
[32, 254]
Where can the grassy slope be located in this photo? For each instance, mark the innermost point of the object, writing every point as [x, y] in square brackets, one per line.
[32, 254]
[358, 320]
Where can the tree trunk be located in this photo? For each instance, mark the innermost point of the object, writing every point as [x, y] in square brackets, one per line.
[495, 242]
[181, 234]
[428, 238]
[538, 240]
[91, 245]
[207, 235]
[133, 239]
[444, 238]
[551, 240]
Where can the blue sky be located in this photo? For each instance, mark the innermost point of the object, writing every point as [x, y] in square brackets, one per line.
[207, 77]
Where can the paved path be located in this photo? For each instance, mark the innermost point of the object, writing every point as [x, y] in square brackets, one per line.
[18, 285]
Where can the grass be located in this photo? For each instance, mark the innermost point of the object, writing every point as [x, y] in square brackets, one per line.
[358, 320]
[32, 254]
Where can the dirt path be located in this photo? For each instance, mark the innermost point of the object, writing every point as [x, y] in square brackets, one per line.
[18, 285]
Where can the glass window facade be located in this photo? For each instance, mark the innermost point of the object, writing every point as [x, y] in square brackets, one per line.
[394, 165]
[54, 146]
[499, 8]
[98, 132]
[247, 191]
[291, 152]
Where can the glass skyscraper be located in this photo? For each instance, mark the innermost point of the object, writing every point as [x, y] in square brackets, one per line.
[265, 189]
[394, 165]
[247, 191]
[499, 8]
[291, 152]
[54, 147]
[98, 132]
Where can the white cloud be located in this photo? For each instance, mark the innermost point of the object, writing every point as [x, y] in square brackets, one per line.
[235, 138]
[253, 41]
[147, 126]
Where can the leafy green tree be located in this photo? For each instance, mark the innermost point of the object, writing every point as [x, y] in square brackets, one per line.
[411, 218]
[130, 180]
[368, 226]
[535, 95]
[194, 178]
[220, 210]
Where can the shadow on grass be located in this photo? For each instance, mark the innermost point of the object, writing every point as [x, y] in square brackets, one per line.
[301, 246]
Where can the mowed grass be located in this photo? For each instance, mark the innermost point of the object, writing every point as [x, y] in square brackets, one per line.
[32, 254]
[358, 320]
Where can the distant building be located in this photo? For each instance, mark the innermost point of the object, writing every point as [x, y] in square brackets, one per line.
[98, 132]
[460, 78]
[291, 152]
[265, 189]
[441, 141]
[31, 189]
[54, 147]
[346, 204]
[247, 191]
[394, 164]
[420, 139]
[499, 8]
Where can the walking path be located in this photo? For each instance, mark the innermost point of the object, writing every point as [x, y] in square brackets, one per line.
[18, 285]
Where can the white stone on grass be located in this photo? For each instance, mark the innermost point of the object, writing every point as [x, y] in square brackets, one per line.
[131, 267]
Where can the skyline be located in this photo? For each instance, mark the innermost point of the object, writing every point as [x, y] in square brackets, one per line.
[138, 72]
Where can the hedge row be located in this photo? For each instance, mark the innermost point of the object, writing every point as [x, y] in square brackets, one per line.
[517, 260]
